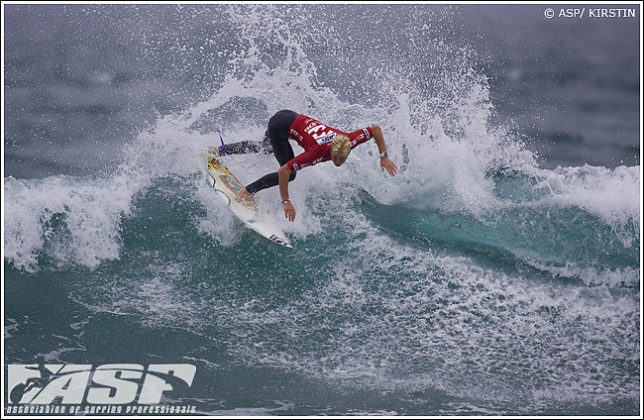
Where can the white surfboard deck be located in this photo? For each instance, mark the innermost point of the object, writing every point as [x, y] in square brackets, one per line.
[226, 184]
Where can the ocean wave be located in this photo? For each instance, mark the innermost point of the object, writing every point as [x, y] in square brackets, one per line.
[70, 221]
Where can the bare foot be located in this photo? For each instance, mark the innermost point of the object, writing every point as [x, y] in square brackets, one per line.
[213, 150]
[247, 198]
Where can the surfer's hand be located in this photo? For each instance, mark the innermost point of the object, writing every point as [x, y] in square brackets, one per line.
[386, 163]
[289, 211]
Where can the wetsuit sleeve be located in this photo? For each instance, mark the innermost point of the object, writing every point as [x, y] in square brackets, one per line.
[300, 161]
[360, 136]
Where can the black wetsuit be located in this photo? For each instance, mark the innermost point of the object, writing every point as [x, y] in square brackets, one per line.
[275, 140]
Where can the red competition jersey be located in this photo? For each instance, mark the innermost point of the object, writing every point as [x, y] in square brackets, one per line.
[316, 138]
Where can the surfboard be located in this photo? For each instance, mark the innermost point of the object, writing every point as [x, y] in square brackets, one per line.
[227, 185]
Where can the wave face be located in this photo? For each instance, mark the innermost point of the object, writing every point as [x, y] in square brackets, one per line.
[476, 281]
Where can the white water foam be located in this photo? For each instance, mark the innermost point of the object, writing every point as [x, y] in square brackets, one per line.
[91, 211]
[469, 331]
[613, 195]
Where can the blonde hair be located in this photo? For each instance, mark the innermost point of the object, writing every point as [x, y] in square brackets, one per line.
[340, 147]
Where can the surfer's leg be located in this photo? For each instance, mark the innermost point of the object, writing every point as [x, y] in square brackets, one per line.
[267, 181]
[240, 148]
[278, 127]
[265, 145]
[243, 147]
[246, 146]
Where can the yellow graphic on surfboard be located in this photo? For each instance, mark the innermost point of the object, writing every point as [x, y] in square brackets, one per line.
[226, 176]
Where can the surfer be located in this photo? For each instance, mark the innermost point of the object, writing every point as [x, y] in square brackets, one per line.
[46, 376]
[320, 142]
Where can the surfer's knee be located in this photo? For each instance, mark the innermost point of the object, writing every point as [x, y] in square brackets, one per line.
[266, 146]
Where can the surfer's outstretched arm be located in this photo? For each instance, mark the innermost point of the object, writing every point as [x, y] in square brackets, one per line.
[284, 174]
[385, 162]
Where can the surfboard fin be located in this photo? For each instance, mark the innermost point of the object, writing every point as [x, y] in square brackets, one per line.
[222, 148]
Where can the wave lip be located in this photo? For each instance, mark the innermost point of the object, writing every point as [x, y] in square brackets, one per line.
[612, 195]
[581, 220]
[69, 220]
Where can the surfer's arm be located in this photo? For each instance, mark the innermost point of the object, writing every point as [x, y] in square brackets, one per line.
[379, 137]
[284, 174]
[385, 162]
